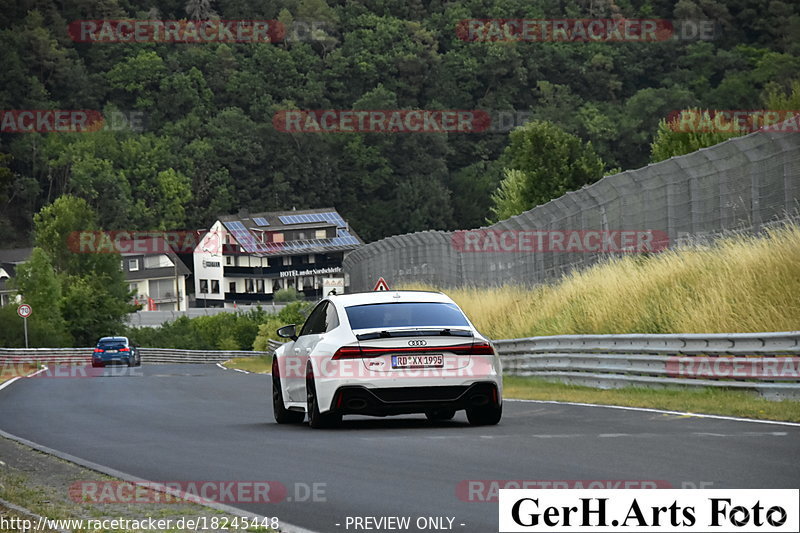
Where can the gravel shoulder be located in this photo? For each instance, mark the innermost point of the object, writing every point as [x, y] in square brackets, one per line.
[40, 483]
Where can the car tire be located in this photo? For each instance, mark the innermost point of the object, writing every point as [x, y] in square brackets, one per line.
[435, 415]
[486, 415]
[131, 361]
[138, 359]
[316, 419]
[279, 410]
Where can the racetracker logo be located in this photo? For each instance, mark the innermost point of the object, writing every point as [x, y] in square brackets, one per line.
[488, 490]
[104, 492]
[772, 368]
[734, 121]
[50, 121]
[146, 242]
[576, 241]
[176, 31]
[33, 369]
[381, 121]
[583, 30]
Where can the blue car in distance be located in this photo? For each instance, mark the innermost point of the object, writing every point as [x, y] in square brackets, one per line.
[116, 350]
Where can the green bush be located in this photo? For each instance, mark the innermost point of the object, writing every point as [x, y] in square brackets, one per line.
[224, 331]
[293, 313]
[287, 295]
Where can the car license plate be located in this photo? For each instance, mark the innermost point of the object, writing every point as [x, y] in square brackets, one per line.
[418, 361]
[111, 351]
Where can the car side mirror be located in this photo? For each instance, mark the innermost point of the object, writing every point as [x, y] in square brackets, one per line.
[288, 332]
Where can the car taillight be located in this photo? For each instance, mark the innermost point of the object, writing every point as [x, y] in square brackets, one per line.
[348, 352]
[481, 348]
[355, 352]
[124, 349]
[98, 350]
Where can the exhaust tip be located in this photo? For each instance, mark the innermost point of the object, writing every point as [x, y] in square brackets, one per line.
[356, 404]
[479, 399]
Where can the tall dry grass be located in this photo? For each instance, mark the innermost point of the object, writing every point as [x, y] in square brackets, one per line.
[739, 284]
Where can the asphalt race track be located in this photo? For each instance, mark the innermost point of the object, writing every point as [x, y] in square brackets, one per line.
[199, 422]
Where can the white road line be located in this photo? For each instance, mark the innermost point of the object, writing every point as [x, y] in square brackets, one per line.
[660, 411]
[223, 367]
[43, 369]
[12, 380]
[9, 382]
[242, 371]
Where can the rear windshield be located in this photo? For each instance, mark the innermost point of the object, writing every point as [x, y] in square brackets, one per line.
[398, 315]
[111, 343]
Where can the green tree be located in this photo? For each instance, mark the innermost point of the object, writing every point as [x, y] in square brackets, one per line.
[94, 295]
[40, 287]
[671, 141]
[509, 198]
[775, 98]
[543, 162]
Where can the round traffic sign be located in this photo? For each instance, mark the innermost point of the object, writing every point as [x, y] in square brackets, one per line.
[24, 310]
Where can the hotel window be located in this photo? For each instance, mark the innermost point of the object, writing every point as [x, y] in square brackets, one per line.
[249, 286]
[312, 258]
[232, 286]
[204, 286]
[260, 286]
[133, 265]
[287, 260]
[321, 234]
[228, 260]
[214, 286]
[277, 237]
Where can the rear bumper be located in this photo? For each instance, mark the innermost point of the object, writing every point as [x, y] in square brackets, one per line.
[113, 358]
[357, 399]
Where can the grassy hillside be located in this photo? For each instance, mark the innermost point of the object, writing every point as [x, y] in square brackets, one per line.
[740, 284]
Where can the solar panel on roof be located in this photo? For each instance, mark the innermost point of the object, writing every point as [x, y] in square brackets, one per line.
[242, 236]
[331, 217]
[261, 221]
[245, 238]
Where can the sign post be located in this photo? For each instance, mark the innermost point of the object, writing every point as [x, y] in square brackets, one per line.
[381, 285]
[24, 311]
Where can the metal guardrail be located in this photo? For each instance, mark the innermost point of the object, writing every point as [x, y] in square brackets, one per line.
[767, 363]
[9, 356]
[166, 355]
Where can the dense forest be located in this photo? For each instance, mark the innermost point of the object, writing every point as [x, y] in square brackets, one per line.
[200, 138]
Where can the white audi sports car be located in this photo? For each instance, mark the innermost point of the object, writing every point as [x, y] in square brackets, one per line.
[385, 353]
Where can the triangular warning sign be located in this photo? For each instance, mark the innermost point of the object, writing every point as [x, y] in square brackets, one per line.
[381, 285]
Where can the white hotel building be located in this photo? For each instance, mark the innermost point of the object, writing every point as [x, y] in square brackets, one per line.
[245, 259]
